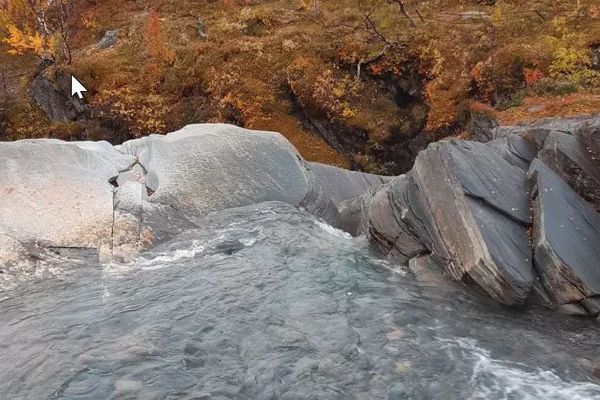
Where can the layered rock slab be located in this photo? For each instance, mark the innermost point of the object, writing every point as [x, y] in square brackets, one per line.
[567, 155]
[468, 206]
[566, 242]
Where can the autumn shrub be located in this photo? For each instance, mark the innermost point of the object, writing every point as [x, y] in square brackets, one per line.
[552, 87]
[496, 78]
[140, 113]
[256, 21]
[514, 100]
[532, 76]
[230, 103]
[39, 27]
[159, 54]
[571, 57]
[323, 89]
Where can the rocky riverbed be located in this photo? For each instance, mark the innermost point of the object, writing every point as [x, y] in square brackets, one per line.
[215, 263]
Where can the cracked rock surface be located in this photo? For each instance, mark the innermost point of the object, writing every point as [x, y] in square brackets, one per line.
[58, 193]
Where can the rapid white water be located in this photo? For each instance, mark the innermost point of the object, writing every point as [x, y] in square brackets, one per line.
[266, 302]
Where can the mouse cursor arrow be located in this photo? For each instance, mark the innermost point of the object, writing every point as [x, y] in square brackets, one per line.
[77, 88]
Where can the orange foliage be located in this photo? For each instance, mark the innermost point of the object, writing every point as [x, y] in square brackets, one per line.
[159, 54]
[532, 76]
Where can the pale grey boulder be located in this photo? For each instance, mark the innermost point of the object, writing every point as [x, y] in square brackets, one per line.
[566, 241]
[125, 198]
[134, 147]
[59, 193]
[11, 252]
[208, 167]
[127, 235]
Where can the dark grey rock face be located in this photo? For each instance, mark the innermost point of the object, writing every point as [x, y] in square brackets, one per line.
[567, 156]
[515, 149]
[589, 133]
[478, 209]
[53, 97]
[340, 184]
[390, 221]
[350, 191]
[566, 241]
[109, 39]
[466, 205]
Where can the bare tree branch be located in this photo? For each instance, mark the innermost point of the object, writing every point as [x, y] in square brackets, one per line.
[404, 12]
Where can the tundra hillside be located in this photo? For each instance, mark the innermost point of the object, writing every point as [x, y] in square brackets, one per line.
[363, 84]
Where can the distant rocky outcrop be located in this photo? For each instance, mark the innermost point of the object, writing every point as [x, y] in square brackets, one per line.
[109, 39]
[52, 95]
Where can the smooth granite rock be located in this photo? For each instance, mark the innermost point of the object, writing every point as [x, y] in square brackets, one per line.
[59, 193]
[123, 198]
[566, 241]
[209, 167]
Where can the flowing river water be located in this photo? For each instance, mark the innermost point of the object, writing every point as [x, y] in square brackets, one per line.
[266, 302]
